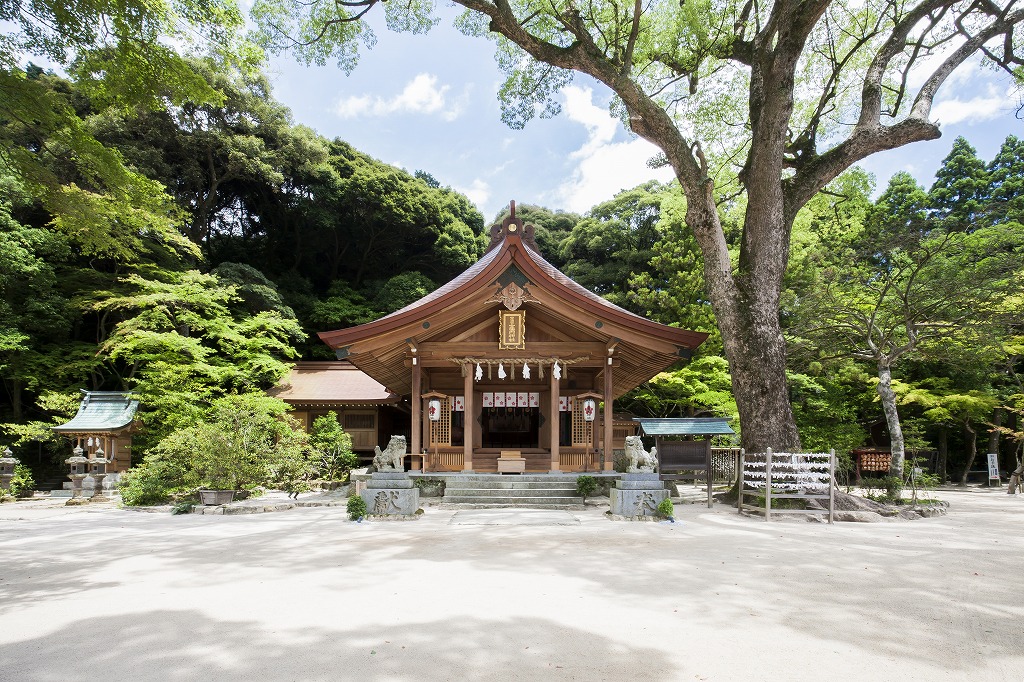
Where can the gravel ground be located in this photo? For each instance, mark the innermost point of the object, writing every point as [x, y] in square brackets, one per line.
[304, 594]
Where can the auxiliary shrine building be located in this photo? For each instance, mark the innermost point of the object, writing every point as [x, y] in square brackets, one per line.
[510, 366]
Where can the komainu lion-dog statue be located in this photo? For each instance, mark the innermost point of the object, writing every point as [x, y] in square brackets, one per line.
[391, 457]
[640, 461]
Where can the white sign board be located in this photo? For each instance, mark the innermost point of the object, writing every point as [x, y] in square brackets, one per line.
[993, 466]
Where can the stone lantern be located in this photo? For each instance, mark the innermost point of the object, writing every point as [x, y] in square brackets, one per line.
[7, 464]
[78, 464]
[98, 471]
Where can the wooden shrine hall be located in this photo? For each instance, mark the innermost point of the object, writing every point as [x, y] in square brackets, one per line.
[507, 366]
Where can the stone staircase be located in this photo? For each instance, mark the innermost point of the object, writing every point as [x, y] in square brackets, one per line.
[481, 491]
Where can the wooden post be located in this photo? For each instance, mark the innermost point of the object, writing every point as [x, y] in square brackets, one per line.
[556, 424]
[468, 421]
[417, 426]
[609, 450]
[707, 453]
[739, 482]
[768, 485]
[831, 485]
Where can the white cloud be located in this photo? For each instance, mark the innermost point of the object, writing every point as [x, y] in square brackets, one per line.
[421, 95]
[479, 192]
[985, 107]
[603, 167]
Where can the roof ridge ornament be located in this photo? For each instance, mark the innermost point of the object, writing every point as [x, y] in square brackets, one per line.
[512, 226]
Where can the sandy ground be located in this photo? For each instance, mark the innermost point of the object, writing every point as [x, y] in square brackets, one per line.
[101, 593]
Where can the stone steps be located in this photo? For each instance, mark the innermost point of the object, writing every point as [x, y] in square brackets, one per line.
[494, 491]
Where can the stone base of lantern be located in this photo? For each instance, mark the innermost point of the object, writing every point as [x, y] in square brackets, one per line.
[390, 493]
[637, 495]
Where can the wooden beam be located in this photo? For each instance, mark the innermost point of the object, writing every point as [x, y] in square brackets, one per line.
[561, 349]
[555, 424]
[609, 452]
[468, 422]
[417, 427]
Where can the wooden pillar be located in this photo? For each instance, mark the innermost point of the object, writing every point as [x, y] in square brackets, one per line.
[468, 421]
[609, 453]
[417, 425]
[556, 424]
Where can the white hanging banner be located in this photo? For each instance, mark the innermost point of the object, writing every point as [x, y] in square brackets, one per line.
[487, 399]
[499, 400]
[534, 400]
[522, 400]
[460, 403]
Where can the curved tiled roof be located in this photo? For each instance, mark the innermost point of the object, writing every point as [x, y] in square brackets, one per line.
[101, 411]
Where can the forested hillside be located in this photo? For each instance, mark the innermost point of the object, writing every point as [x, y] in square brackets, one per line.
[188, 248]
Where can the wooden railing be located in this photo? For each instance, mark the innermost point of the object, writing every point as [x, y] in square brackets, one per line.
[444, 461]
[578, 461]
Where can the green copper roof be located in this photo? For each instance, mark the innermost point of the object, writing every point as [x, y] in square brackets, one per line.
[102, 411]
[685, 426]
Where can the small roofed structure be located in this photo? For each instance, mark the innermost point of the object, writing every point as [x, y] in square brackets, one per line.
[366, 409]
[105, 421]
[685, 426]
[690, 459]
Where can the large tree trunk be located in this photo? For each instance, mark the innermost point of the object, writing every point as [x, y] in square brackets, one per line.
[943, 453]
[746, 306]
[971, 441]
[892, 419]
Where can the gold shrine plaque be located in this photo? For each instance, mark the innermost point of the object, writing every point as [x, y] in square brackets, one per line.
[512, 329]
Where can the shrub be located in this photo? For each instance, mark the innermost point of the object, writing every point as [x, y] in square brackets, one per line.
[893, 489]
[246, 441]
[332, 449]
[356, 507]
[666, 509]
[585, 486]
[22, 485]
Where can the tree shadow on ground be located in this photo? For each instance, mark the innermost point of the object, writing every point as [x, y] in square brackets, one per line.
[188, 645]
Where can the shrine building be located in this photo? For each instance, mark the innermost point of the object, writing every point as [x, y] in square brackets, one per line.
[510, 366]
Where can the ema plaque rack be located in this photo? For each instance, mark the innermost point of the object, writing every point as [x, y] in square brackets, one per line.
[785, 475]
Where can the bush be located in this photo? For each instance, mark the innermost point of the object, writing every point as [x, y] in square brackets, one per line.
[585, 486]
[666, 509]
[245, 441]
[356, 507]
[332, 449]
[893, 489]
[22, 485]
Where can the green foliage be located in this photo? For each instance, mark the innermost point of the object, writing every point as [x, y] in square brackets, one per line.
[22, 484]
[703, 387]
[666, 510]
[585, 486]
[331, 448]
[356, 507]
[401, 290]
[180, 347]
[243, 442]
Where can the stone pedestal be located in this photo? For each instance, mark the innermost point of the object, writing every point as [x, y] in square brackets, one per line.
[637, 495]
[390, 493]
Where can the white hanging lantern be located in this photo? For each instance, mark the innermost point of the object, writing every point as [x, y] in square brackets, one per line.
[479, 372]
[434, 409]
[526, 370]
[501, 371]
[589, 409]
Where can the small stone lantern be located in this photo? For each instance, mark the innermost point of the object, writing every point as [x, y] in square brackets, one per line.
[98, 471]
[78, 464]
[7, 464]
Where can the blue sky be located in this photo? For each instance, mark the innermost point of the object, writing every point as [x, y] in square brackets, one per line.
[429, 103]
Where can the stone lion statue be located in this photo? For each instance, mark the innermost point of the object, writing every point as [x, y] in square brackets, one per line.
[640, 461]
[390, 459]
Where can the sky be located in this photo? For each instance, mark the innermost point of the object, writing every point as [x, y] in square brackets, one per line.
[430, 103]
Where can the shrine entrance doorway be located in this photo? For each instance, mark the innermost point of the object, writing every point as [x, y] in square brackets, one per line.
[510, 427]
